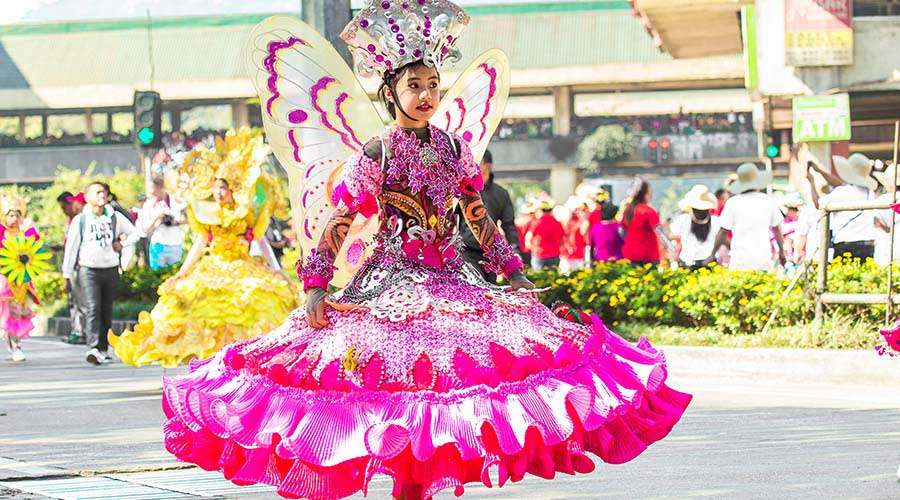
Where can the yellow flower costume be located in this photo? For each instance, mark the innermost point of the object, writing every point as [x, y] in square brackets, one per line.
[225, 295]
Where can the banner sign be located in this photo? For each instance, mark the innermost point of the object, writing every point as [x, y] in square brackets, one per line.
[821, 118]
[818, 32]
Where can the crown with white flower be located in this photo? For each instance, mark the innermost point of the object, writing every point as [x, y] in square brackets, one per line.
[388, 34]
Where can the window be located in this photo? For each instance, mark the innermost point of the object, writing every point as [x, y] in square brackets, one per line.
[215, 117]
[122, 123]
[9, 125]
[100, 123]
[863, 8]
[33, 127]
[67, 126]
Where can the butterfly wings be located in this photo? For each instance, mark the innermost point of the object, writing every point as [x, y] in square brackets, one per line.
[316, 115]
[473, 107]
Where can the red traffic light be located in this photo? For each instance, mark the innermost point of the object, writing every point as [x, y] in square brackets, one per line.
[665, 143]
[652, 144]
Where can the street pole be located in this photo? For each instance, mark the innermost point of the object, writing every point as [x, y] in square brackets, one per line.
[329, 17]
[889, 311]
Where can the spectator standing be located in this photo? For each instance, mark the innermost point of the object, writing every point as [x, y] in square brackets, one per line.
[695, 230]
[791, 228]
[722, 196]
[751, 215]
[641, 223]
[500, 209]
[575, 238]
[546, 238]
[606, 232]
[72, 205]
[91, 259]
[882, 255]
[161, 221]
[852, 232]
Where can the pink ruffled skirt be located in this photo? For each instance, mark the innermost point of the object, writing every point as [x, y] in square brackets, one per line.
[435, 381]
[15, 319]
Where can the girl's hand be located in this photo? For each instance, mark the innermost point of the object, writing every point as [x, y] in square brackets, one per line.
[315, 308]
[518, 281]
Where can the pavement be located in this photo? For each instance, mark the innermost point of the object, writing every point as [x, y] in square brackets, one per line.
[764, 424]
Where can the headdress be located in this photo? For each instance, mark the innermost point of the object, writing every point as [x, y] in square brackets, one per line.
[237, 159]
[388, 34]
[13, 201]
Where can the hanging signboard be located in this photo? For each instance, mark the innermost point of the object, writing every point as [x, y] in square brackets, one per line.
[821, 118]
[818, 32]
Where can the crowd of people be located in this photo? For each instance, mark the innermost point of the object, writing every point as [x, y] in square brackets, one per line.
[743, 225]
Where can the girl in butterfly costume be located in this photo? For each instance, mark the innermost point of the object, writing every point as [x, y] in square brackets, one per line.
[221, 294]
[417, 368]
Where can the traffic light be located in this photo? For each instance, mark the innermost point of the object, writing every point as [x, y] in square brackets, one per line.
[665, 148]
[147, 119]
[773, 146]
[652, 150]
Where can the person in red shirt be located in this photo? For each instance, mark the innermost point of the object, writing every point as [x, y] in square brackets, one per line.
[640, 221]
[575, 240]
[546, 238]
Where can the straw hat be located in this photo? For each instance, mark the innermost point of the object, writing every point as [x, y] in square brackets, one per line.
[856, 170]
[887, 177]
[792, 199]
[698, 198]
[750, 177]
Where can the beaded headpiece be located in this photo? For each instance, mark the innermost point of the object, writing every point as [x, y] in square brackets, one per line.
[388, 34]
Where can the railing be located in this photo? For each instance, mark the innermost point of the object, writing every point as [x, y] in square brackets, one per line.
[824, 297]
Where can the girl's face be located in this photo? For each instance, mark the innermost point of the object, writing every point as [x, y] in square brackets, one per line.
[418, 94]
[221, 192]
[13, 219]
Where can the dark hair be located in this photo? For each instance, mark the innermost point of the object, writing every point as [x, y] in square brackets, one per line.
[224, 181]
[720, 192]
[636, 194]
[608, 210]
[64, 197]
[701, 231]
[103, 185]
[389, 85]
[158, 181]
[488, 157]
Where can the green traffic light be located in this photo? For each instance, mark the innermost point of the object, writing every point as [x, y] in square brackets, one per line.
[772, 151]
[146, 135]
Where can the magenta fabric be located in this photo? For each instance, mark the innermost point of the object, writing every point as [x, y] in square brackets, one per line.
[606, 241]
[432, 412]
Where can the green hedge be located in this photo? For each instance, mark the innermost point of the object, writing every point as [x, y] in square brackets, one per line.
[730, 301]
[137, 292]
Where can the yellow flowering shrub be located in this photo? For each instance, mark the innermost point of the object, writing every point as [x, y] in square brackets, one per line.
[733, 302]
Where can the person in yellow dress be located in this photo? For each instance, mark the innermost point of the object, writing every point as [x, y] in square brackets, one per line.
[221, 294]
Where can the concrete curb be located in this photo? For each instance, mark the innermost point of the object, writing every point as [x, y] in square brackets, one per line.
[795, 365]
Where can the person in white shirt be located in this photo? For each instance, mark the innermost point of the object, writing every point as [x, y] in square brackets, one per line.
[751, 216]
[161, 220]
[695, 230]
[888, 180]
[852, 231]
[93, 245]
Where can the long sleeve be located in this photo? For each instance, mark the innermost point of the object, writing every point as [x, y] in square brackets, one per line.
[70, 254]
[507, 220]
[358, 193]
[499, 256]
[124, 226]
